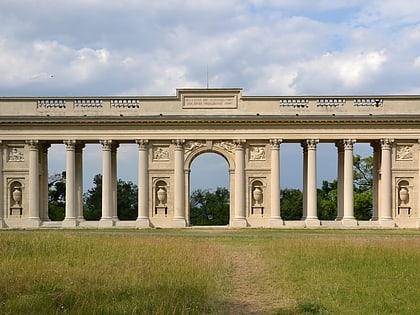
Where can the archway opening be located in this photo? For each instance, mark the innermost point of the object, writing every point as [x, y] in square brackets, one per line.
[209, 190]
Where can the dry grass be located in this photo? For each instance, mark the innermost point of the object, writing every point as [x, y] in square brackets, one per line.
[213, 272]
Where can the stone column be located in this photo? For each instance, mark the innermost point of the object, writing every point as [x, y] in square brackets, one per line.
[33, 219]
[70, 218]
[107, 196]
[340, 180]
[275, 219]
[179, 180]
[2, 224]
[239, 219]
[375, 179]
[305, 180]
[143, 185]
[79, 182]
[114, 180]
[348, 192]
[311, 191]
[386, 184]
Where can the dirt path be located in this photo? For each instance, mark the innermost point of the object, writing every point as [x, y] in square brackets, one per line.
[252, 293]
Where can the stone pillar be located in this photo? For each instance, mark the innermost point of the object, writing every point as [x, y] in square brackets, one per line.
[375, 179]
[79, 182]
[239, 218]
[2, 207]
[275, 219]
[107, 196]
[305, 181]
[33, 219]
[143, 185]
[386, 184]
[70, 217]
[348, 192]
[114, 180]
[179, 180]
[340, 180]
[311, 191]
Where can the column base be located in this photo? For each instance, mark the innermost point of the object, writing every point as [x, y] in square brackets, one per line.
[276, 222]
[143, 223]
[2, 224]
[239, 223]
[33, 222]
[312, 222]
[69, 223]
[179, 223]
[349, 222]
[106, 223]
[387, 223]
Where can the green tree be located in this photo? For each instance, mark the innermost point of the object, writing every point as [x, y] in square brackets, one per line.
[291, 204]
[126, 200]
[363, 185]
[209, 208]
[327, 200]
[57, 196]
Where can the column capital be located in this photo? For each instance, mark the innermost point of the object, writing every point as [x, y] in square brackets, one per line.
[33, 144]
[348, 144]
[80, 146]
[239, 143]
[179, 143]
[386, 143]
[70, 144]
[310, 144]
[106, 145]
[275, 143]
[142, 143]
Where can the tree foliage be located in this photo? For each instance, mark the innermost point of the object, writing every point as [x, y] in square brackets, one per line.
[57, 196]
[291, 204]
[126, 200]
[209, 208]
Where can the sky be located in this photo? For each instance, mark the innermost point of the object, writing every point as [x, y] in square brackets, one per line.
[272, 47]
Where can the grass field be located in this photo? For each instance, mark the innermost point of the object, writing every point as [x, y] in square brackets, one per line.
[210, 271]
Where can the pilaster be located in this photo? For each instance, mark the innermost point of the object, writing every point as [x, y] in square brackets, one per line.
[2, 224]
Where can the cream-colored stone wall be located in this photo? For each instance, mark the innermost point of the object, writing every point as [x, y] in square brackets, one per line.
[226, 122]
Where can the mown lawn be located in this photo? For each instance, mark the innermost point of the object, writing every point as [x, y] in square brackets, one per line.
[215, 271]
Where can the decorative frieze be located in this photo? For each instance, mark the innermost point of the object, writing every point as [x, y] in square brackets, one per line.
[226, 145]
[125, 104]
[257, 153]
[51, 104]
[189, 146]
[16, 155]
[404, 153]
[161, 153]
[330, 102]
[294, 103]
[87, 104]
[368, 102]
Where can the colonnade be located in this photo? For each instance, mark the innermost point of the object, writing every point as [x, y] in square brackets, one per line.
[74, 183]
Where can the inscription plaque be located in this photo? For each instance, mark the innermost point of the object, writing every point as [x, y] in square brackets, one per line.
[217, 102]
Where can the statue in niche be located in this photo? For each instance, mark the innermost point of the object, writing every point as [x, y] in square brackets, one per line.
[404, 152]
[257, 153]
[15, 155]
[161, 154]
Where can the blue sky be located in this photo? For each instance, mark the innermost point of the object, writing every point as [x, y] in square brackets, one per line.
[267, 47]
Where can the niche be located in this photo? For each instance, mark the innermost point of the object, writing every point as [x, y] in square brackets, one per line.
[15, 201]
[257, 198]
[161, 198]
[404, 199]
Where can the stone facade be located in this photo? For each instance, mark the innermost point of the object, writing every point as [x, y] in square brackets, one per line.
[248, 131]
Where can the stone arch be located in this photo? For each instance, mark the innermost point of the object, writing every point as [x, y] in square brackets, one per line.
[191, 156]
